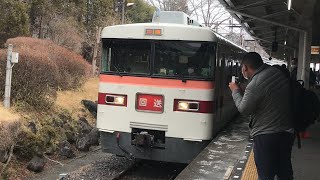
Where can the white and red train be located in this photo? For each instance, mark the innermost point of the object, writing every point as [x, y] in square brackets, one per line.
[163, 92]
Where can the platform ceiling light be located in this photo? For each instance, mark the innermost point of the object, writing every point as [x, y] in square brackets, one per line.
[285, 42]
[289, 4]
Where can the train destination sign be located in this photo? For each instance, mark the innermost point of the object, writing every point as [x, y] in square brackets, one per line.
[315, 49]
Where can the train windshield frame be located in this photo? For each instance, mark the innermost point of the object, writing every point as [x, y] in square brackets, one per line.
[159, 58]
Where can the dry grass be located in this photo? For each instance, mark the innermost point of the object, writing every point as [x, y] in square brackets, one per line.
[9, 130]
[71, 100]
[7, 115]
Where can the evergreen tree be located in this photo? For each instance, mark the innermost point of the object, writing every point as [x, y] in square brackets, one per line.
[14, 20]
[141, 12]
[71, 23]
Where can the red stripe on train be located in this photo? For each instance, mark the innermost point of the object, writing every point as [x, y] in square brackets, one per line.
[157, 82]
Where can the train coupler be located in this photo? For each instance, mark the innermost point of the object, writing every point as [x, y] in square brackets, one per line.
[143, 138]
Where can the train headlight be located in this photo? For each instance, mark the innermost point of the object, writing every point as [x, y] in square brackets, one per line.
[183, 105]
[112, 99]
[188, 106]
[193, 106]
[119, 100]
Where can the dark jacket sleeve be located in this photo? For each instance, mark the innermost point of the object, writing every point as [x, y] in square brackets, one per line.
[247, 103]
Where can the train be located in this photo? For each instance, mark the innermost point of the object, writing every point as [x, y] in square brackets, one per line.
[163, 89]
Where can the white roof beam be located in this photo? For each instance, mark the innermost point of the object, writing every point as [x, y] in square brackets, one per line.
[260, 27]
[269, 32]
[279, 44]
[264, 20]
[257, 4]
[270, 15]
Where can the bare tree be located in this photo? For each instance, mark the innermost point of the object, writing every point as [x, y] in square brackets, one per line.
[64, 31]
[171, 5]
[210, 12]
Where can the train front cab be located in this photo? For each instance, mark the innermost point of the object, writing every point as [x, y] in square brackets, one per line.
[164, 117]
[170, 135]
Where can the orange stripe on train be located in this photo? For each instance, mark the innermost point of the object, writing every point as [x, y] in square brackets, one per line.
[156, 82]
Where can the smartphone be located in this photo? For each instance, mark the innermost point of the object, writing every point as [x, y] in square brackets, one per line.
[233, 79]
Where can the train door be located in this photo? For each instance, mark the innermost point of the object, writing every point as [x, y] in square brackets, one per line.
[218, 87]
[226, 68]
[229, 109]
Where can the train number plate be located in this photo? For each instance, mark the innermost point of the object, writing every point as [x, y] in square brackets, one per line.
[149, 103]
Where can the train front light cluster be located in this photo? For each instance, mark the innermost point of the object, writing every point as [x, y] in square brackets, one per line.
[193, 106]
[112, 99]
[188, 106]
[119, 100]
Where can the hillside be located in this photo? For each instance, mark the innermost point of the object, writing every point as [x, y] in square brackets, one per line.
[71, 100]
[47, 119]
[68, 108]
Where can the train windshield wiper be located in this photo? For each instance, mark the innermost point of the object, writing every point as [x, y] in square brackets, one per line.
[117, 69]
[183, 79]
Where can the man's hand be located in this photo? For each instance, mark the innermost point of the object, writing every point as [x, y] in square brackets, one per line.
[233, 86]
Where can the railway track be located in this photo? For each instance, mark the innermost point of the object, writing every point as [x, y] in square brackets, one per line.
[150, 170]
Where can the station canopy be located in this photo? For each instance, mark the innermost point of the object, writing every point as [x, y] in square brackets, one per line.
[269, 21]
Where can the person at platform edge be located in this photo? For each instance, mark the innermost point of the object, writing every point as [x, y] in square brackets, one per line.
[266, 100]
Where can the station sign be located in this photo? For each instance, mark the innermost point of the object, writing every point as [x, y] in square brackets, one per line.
[315, 49]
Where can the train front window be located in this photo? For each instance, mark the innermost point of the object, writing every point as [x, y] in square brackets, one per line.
[126, 56]
[184, 59]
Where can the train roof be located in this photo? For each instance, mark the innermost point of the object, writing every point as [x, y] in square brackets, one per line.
[170, 31]
[224, 40]
[191, 33]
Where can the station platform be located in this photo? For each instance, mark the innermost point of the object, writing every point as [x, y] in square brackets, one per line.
[229, 156]
[219, 159]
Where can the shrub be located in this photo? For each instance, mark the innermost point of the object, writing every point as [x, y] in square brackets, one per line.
[8, 133]
[51, 130]
[43, 68]
[29, 144]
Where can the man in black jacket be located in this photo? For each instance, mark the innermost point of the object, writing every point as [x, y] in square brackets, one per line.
[267, 101]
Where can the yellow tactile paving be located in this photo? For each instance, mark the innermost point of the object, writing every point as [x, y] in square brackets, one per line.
[250, 171]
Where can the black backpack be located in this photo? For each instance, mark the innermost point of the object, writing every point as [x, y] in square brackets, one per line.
[305, 107]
